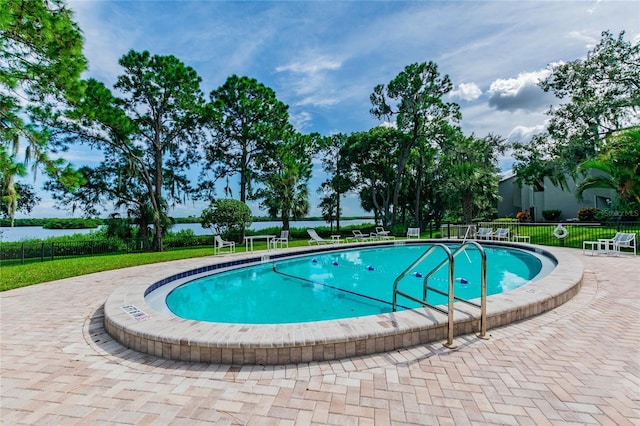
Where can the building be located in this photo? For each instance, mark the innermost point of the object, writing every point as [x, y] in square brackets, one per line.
[516, 198]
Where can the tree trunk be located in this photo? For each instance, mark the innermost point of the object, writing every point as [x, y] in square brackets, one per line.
[338, 212]
[285, 222]
[243, 185]
[418, 192]
[157, 215]
[396, 189]
[467, 207]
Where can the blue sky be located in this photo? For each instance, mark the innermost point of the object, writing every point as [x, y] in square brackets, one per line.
[323, 58]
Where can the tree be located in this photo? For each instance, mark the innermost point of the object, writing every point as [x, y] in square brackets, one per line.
[226, 215]
[40, 65]
[470, 172]
[414, 97]
[603, 97]
[373, 159]
[9, 195]
[149, 136]
[247, 121]
[337, 183]
[620, 167]
[23, 200]
[285, 176]
[329, 206]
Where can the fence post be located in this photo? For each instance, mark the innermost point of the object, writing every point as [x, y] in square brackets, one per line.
[22, 254]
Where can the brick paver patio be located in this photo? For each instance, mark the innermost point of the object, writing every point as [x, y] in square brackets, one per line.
[577, 364]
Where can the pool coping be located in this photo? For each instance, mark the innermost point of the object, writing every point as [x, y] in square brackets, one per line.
[136, 325]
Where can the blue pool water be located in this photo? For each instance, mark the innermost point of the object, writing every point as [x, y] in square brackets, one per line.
[343, 284]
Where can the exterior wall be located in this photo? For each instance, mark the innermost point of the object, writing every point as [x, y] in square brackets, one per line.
[515, 199]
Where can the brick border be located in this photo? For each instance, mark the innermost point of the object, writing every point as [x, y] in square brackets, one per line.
[185, 340]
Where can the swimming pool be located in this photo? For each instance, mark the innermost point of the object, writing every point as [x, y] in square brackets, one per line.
[136, 323]
[342, 284]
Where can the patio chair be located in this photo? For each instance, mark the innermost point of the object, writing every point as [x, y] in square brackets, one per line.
[315, 238]
[382, 234]
[219, 245]
[501, 234]
[619, 241]
[283, 240]
[484, 234]
[413, 232]
[359, 236]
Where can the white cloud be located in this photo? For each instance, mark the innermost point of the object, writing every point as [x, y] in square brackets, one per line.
[524, 133]
[309, 81]
[521, 92]
[467, 92]
[310, 67]
[588, 40]
[300, 120]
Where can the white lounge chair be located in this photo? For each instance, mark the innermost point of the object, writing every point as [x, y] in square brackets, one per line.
[484, 234]
[315, 238]
[359, 236]
[501, 234]
[619, 241]
[283, 240]
[413, 232]
[220, 245]
[382, 234]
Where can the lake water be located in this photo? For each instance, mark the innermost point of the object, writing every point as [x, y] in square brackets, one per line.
[20, 233]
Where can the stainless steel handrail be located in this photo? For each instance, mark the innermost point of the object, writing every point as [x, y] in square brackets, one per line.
[483, 285]
[450, 344]
[410, 267]
[450, 296]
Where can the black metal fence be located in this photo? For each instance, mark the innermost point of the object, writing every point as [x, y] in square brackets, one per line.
[27, 252]
[543, 233]
[535, 233]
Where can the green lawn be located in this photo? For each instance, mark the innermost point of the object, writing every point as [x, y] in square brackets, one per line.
[15, 276]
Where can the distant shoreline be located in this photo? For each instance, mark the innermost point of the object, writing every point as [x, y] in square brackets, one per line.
[79, 223]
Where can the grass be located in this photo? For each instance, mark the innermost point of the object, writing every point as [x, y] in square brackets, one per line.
[16, 276]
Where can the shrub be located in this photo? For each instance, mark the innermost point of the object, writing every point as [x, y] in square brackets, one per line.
[227, 215]
[588, 214]
[523, 216]
[551, 215]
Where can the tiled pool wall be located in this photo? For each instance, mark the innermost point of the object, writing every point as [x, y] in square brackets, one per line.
[166, 336]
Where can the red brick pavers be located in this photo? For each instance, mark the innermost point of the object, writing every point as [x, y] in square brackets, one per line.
[577, 364]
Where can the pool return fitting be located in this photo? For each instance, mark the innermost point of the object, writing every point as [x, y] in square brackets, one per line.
[450, 257]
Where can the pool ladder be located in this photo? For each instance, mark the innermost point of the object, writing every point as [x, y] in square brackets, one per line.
[450, 294]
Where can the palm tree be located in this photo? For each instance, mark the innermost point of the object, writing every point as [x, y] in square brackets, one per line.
[286, 193]
[470, 168]
[619, 168]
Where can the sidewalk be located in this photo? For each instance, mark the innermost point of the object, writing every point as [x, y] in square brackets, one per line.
[577, 364]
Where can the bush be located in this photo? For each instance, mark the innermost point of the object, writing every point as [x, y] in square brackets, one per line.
[226, 215]
[71, 223]
[551, 215]
[588, 214]
[523, 216]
